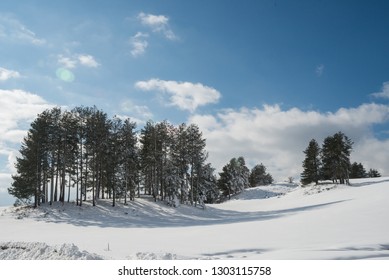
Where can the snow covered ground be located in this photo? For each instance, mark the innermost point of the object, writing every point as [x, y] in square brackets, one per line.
[282, 221]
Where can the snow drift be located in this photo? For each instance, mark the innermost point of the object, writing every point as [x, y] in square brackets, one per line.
[41, 251]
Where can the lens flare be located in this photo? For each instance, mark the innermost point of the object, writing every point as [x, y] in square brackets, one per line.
[65, 75]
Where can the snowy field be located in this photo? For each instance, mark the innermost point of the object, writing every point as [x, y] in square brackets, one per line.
[281, 221]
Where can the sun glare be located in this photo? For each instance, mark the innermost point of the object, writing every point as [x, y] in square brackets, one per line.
[65, 75]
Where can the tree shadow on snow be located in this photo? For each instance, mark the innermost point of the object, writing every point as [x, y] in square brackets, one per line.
[381, 251]
[363, 184]
[139, 214]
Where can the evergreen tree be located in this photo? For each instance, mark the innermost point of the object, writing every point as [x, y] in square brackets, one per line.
[33, 164]
[373, 173]
[196, 159]
[181, 160]
[225, 181]
[357, 171]
[148, 155]
[208, 190]
[130, 158]
[234, 177]
[259, 176]
[311, 163]
[336, 157]
[24, 186]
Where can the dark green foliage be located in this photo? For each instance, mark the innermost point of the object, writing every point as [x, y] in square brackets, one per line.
[63, 150]
[357, 171]
[373, 173]
[234, 177]
[331, 162]
[259, 176]
[101, 158]
[311, 163]
[336, 157]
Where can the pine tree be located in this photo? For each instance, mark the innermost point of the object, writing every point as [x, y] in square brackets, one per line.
[259, 176]
[225, 181]
[24, 185]
[208, 190]
[148, 158]
[129, 158]
[336, 157]
[373, 173]
[357, 171]
[196, 159]
[180, 159]
[32, 166]
[234, 177]
[311, 164]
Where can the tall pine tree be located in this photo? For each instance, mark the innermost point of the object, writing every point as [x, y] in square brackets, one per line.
[311, 163]
[336, 157]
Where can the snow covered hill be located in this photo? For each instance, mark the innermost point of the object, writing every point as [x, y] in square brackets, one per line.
[282, 221]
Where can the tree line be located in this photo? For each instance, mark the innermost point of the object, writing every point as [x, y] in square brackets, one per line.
[85, 153]
[332, 161]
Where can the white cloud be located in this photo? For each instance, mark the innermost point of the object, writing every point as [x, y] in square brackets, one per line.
[277, 137]
[139, 44]
[6, 74]
[12, 30]
[72, 61]
[67, 62]
[138, 113]
[18, 109]
[184, 95]
[384, 93]
[158, 24]
[88, 61]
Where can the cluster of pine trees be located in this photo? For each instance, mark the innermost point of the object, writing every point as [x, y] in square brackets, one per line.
[332, 161]
[85, 153]
[235, 177]
[81, 149]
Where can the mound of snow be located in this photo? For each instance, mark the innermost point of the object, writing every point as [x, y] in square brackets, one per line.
[42, 251]
[154, 256]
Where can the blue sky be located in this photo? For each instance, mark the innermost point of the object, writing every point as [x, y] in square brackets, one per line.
[260, 78]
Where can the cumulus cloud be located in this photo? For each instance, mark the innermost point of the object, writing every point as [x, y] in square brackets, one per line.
[12, 30]
[18, 106]
[158, 24]
[18, 109]
[277, 137]
[88, 60]
[72, 61]
[67, 62]
[6, 74]
[184, 95]
[384, 93]
[138, 44]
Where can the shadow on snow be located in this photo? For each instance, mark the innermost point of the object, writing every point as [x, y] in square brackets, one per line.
[144, 213]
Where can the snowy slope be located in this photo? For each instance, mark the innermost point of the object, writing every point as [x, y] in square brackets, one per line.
[281, 221]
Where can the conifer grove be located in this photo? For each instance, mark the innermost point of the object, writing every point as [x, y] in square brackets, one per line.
[83, 155]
